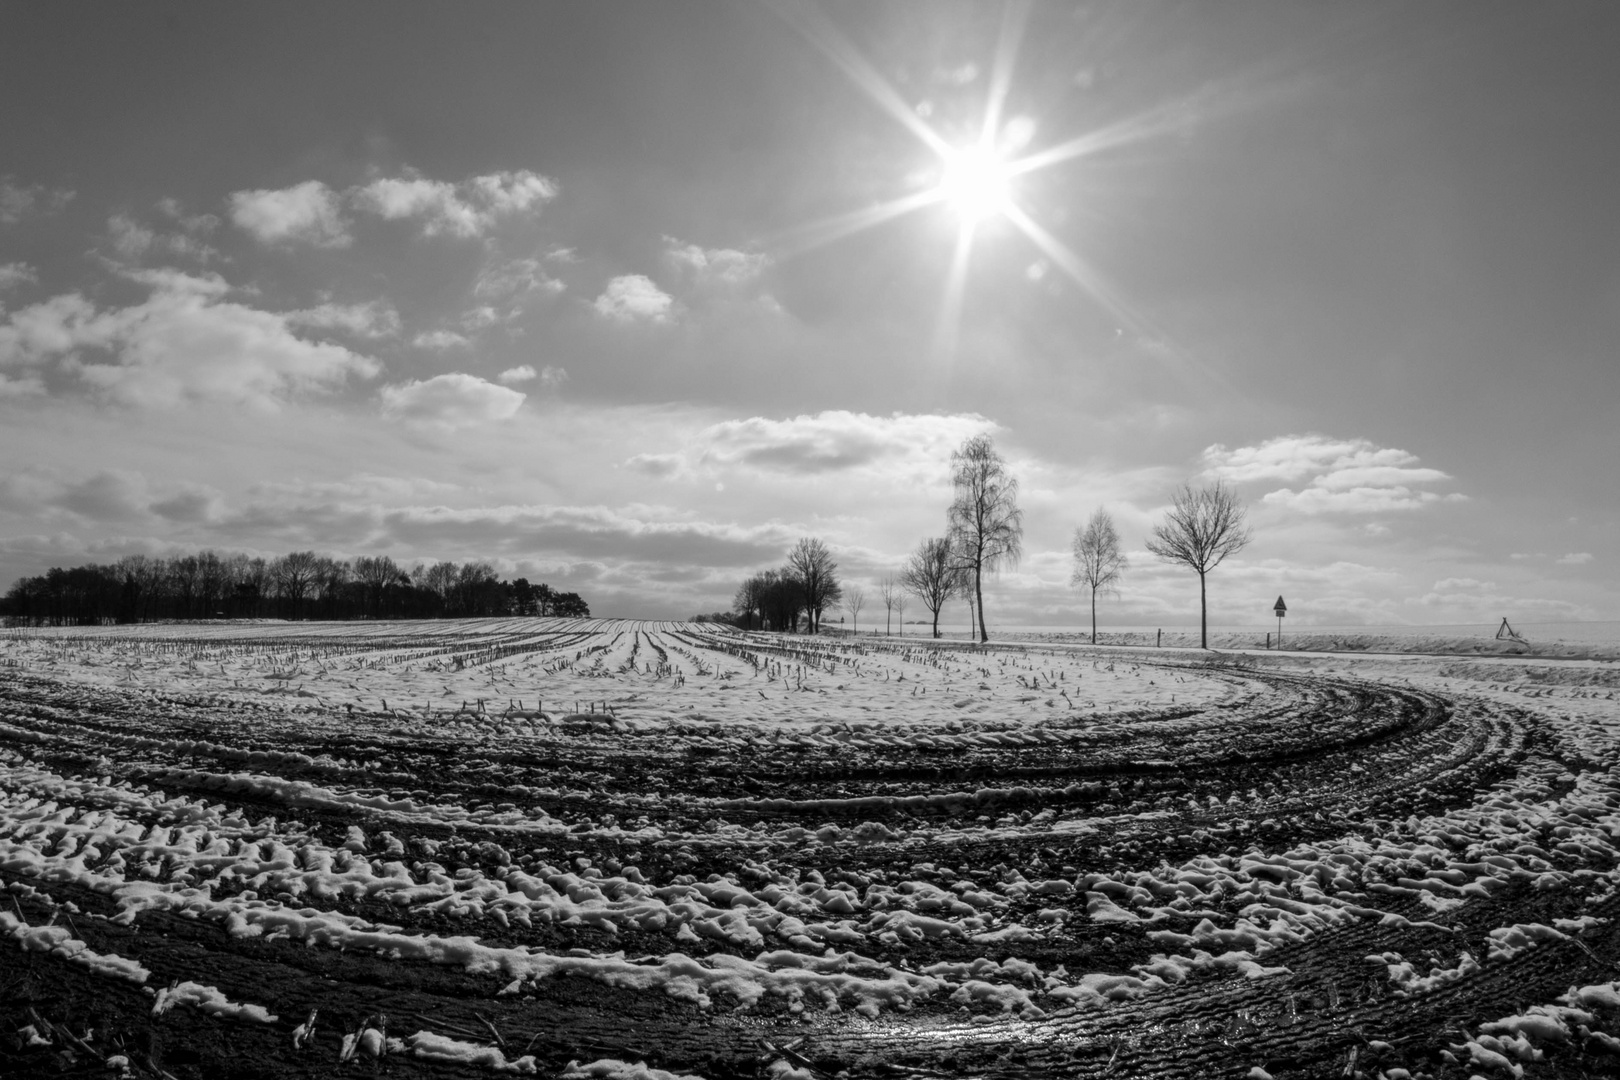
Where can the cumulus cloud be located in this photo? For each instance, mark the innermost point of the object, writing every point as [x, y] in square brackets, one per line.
[449, 401]
[440, 339]
[550, 378]
[514, 279]
[186, 342]
[194, 224]
[13, 274]
[134, 240]
[479, 318]
[1576, 558]
[466, 209]
[723, 265]
[1340, 475]
[630, 297]
[18, 201]
[307, 213]
[836, 440]
[372, 319]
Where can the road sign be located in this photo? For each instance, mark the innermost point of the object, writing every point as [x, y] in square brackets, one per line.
[1281, 609]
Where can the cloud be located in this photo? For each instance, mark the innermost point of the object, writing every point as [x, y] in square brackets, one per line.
[13, 274]
[468, 209]
[133, 241]
[1342, 475]
[634, 296]
[194, 504]
[440, 339]
[514, 279]
[194, 224]
[107, 496]
[14, 388]
[596, 533]
[450, 401]
[722, 265]
[372, 319]
[550, 378]
[18, 201]
[1472, 597]
[184, 343]
[307, 213]
[661, 466]
[1576, 558]
[837, 440]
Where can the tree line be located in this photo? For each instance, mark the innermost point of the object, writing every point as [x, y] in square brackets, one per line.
[984, 532]
[299, 585]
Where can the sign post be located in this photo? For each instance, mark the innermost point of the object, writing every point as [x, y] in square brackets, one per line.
[1281, 609]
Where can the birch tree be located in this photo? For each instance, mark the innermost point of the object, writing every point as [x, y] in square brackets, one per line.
[889, 589]
[1098, 562]
[986, 526]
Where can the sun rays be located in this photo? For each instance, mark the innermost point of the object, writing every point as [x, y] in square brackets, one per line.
[978, 180]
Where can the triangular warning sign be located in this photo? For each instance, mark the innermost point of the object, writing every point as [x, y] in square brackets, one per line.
[1280, 607]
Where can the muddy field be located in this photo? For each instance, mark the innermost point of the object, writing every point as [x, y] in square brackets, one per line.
[612, 849]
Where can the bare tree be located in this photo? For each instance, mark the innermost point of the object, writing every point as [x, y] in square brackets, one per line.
[812, 563]
[986, 526]
[930, 575]
[332, 578]
[854, 600]
[750, 595]
[214, 576]
[1098, 562]
[295, 574]
[247, 580]
[375, 573]
[889, 589]
[439, 579]
[185, 579]
[1203, 526]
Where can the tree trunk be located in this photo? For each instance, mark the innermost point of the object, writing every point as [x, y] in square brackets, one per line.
[936, 622]
[1094, 615]
[1203, 614]
[978, 592]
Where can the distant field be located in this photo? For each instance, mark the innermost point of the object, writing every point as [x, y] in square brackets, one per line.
[565, 847]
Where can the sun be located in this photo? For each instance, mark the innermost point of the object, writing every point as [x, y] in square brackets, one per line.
[976, 184]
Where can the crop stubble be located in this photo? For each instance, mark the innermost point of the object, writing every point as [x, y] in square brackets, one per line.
[726, 854]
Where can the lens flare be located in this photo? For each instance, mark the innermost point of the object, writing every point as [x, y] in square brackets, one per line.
[975, 183]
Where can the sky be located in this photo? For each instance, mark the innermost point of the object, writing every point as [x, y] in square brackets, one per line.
[629, 297]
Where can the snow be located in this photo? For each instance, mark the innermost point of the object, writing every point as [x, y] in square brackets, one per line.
[210, 1001]
[763, 929]
[447, 1051]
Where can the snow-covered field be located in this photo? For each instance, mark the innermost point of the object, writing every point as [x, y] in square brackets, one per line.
[598, 848]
